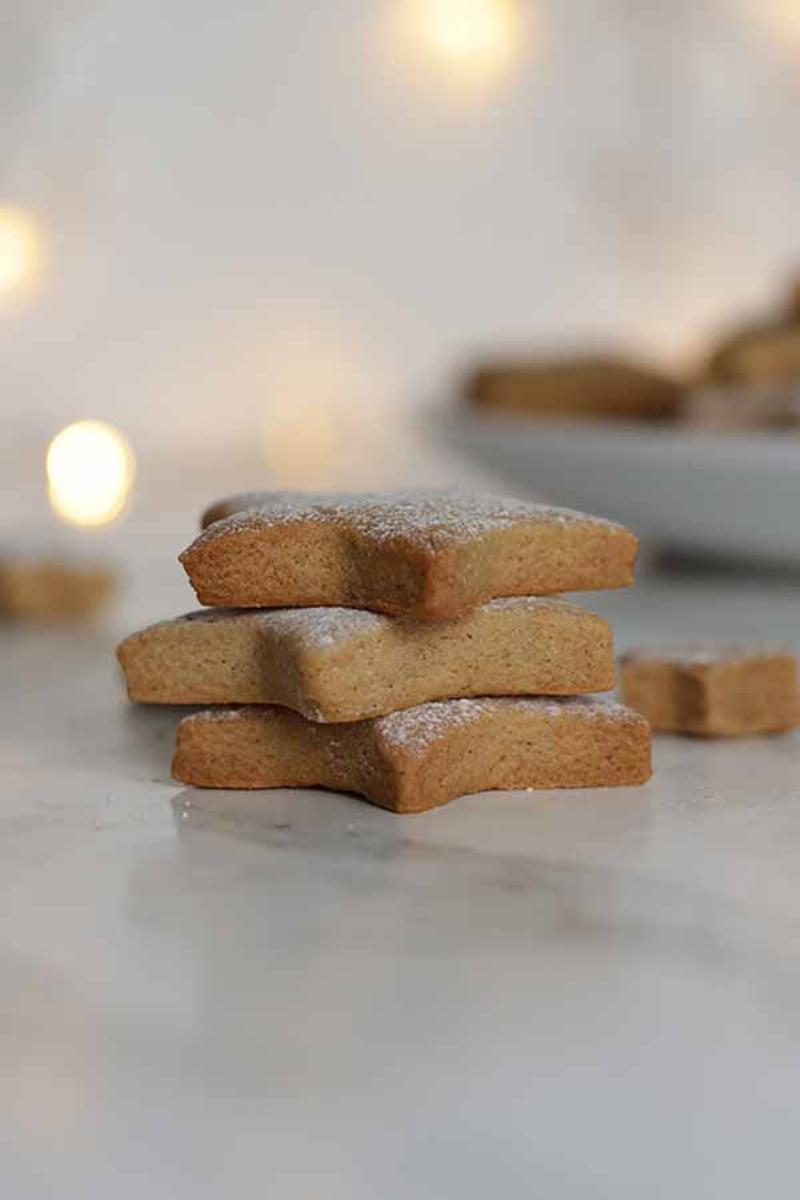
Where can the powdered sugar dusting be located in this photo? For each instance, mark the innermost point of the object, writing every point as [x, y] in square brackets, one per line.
[318, 627]
[415, 729]
[705, 653]
[231, 712]
[531, 604]
[431, 518]
[325, 628]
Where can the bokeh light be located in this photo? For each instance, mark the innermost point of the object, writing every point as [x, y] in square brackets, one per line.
[482, 33]
[90, 470]
[21, 252]
[780, 20]
[301, 440]
[475, 41]
[324, 401]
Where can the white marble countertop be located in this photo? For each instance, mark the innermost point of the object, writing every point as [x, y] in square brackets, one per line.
[295, 995]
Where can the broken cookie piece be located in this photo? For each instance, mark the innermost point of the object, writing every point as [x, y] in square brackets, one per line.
[713, 689]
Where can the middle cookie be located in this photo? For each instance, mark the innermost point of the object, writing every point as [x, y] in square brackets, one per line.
[341, 664]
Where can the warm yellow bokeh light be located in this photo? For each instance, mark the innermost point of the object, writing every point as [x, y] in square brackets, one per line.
[474, 32]
[301, 440]
[780, 19]
[90, 470]
[323, 389]
[475, 41]
[20, 250]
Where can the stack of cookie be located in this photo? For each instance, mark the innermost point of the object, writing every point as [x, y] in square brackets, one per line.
[411, 648]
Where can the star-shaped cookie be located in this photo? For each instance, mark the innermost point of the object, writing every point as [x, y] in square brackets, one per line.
[422, 757]
[428, 555]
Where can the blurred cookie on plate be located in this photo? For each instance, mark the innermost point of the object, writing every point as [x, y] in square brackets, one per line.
[575, 388]
[793, 300]
[756, 354]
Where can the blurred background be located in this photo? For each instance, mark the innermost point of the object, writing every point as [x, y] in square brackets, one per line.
[265, 241]
[364, 244]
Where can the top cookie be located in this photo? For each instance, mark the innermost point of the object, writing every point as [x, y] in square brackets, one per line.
[423, 554]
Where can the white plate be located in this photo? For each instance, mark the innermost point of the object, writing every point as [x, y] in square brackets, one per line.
[708, 492]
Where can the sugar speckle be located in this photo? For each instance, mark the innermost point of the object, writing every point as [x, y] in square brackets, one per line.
[322, 628]
[415, 729]
[218, 714]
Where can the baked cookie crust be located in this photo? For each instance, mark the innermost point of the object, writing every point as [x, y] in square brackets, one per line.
[423, 757]
[338, 664]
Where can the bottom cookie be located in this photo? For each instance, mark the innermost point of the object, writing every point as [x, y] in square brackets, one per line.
[421, 757]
